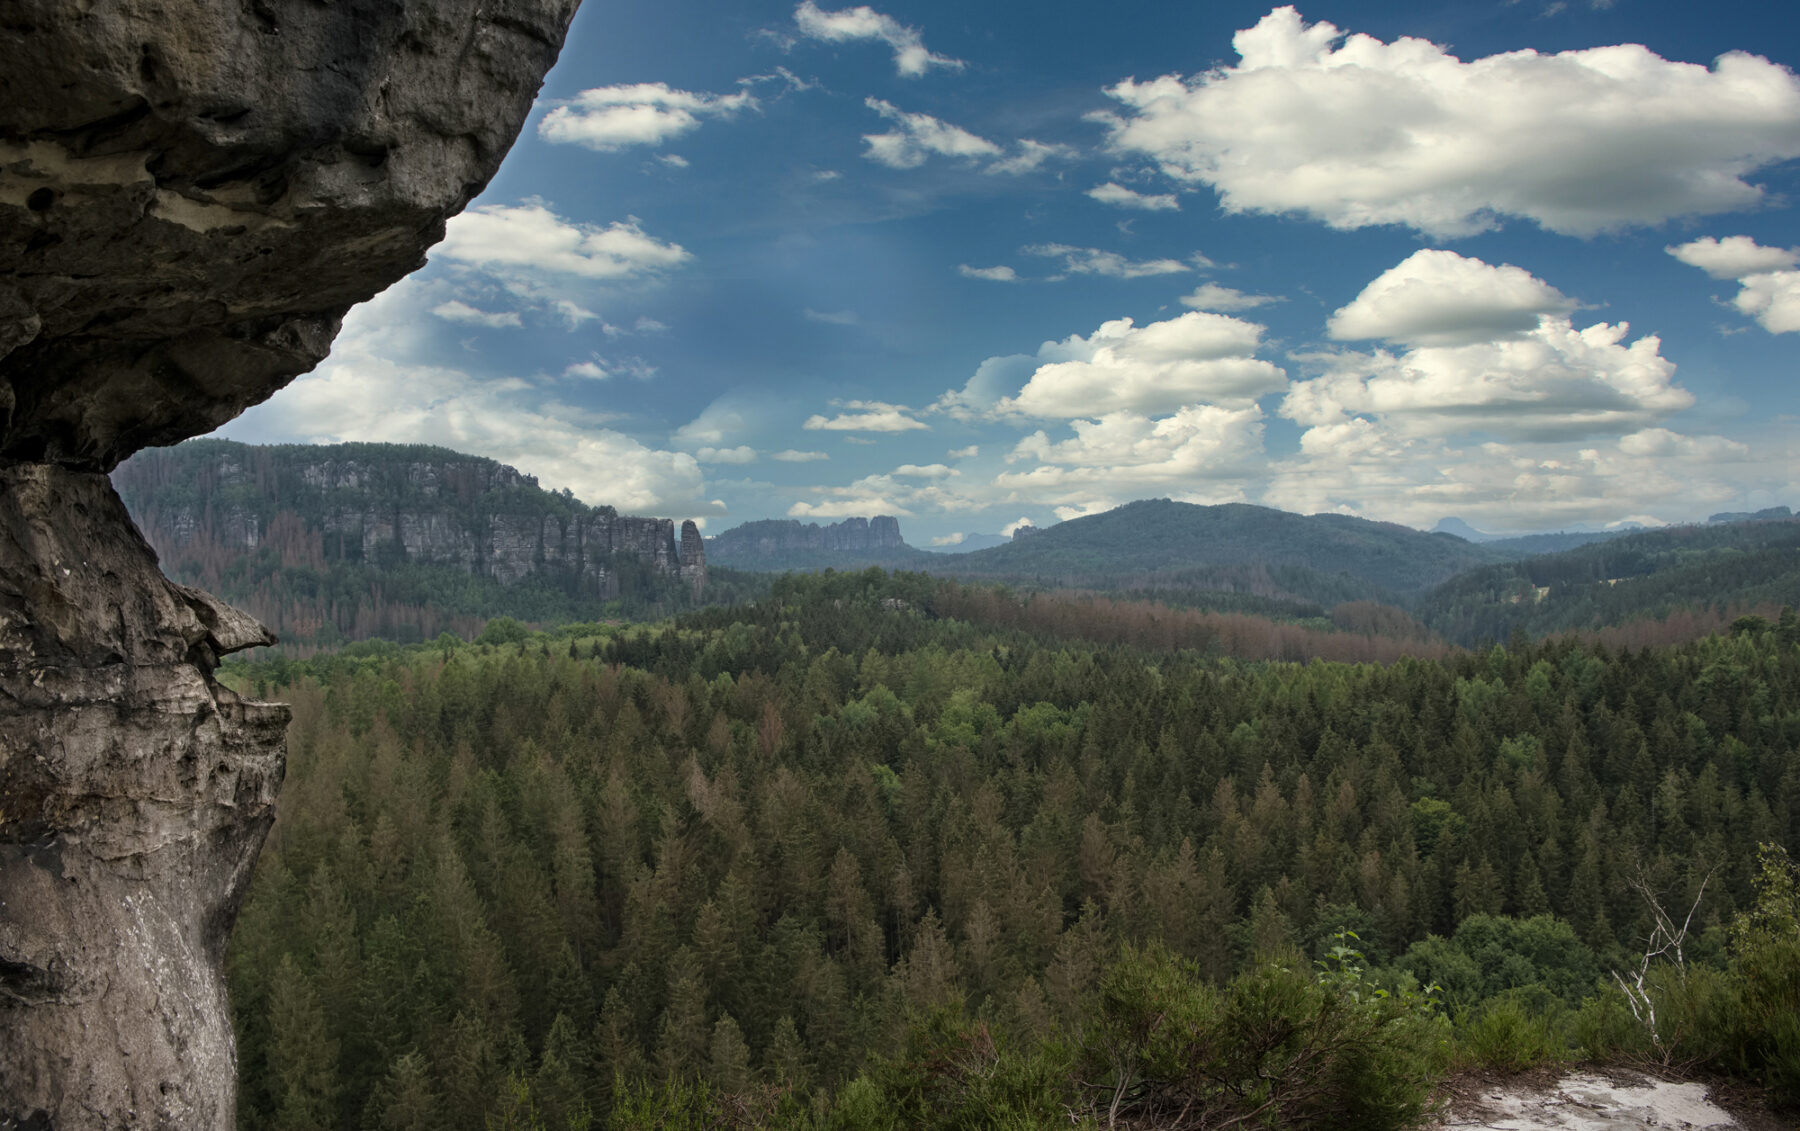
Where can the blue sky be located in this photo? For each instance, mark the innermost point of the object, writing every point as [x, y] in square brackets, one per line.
[1528, 264]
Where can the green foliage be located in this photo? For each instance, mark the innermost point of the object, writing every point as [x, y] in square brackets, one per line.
[1764, 1024]
[1644, 577]
[503, 630]
[1273, 1048]
[953, 1074]
[1492, 955]
[812, 861]
[1511, 1033]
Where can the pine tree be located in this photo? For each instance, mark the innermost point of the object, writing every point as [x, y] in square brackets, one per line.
[561, 1086]
[405, 1099]
[730, 1059]
[785, 1061]
[682, 1041]
[302, 1055]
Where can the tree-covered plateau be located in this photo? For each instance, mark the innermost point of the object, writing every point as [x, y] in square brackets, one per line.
[840, 859]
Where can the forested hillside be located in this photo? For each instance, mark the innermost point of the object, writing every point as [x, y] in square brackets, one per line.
[1701, 574]
[1237, 548]
[843, 859]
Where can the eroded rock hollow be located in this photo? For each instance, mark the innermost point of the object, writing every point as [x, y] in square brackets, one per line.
[192, 194]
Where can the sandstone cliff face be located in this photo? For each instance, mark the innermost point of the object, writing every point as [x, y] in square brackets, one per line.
[134, 793]
[693, 557]
[381, 503]
[192, 193]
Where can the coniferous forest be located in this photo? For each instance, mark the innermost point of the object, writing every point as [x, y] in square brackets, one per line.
[843, 859]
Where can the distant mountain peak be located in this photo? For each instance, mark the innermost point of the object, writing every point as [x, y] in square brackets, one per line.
[1464, 531]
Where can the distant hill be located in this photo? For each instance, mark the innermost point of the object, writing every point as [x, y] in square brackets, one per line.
[1234, 548]
[1526, 545]
[1646, 575]
[779, 545]
[1531, 545]
[326, 543]
[1464, 531]
[1767, 514]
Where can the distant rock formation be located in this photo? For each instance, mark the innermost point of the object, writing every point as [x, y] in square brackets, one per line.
[693, 557]
[1020, 533]
[387, 504]
[192, 194]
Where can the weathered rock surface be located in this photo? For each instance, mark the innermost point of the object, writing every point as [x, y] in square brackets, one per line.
[1588, 1102]
[693, 557]
[134, 795]
[192, 193]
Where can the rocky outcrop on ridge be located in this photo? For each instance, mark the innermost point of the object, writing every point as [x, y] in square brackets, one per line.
[192, 193]
[693, 557]
[390, 503]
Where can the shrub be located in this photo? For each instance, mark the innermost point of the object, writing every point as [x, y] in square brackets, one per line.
[1764, 1032]
[951, 1073]
[1510, 1034]
[1275, 1047]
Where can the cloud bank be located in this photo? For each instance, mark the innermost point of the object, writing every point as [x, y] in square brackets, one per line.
[1354, 132]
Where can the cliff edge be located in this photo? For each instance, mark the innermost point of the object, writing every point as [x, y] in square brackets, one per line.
[192, 194]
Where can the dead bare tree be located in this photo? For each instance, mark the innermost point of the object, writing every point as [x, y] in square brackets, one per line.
[1664, 945]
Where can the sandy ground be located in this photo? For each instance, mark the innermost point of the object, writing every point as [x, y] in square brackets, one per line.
[1592, 1102]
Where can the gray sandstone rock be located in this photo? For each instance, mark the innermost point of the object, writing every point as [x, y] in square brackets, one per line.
[192, 193]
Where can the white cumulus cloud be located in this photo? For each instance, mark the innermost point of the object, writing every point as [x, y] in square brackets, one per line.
[458, 311]
[1155, 368]
[1362, 467]
[1199, 453]
[1028, 156]
[917, 136]
[367, 391]
[1095, 261]
[610, 118]
[793, 455]
[911, 58]
[505, 238]
[1440, 298]
[1556, 381]
[743, 453]
[1119, 196]
[1354, 131]
[866, 416]
[1001, 274]
[1769, 284]
[1734, 256]
[1212, 296]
